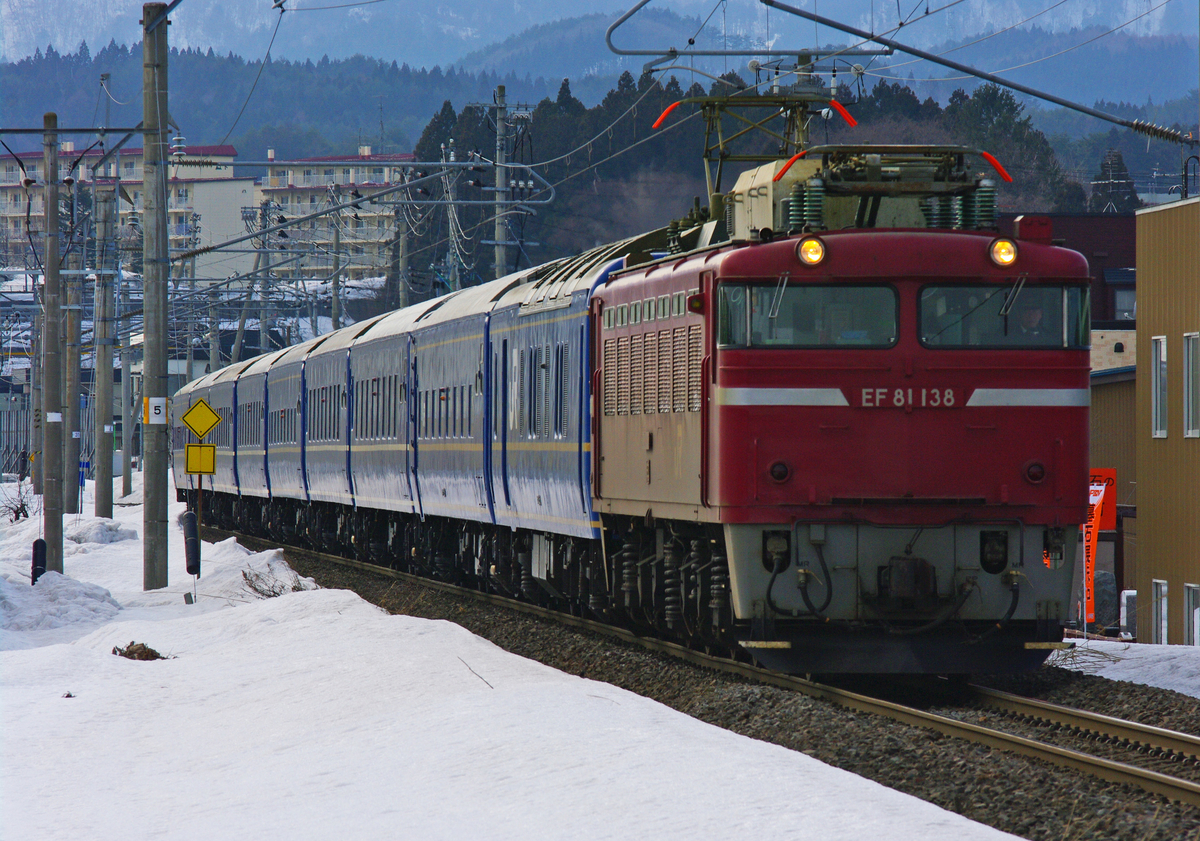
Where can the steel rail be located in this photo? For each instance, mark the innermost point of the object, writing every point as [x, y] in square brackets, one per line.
[1173, 788]
[1171, 741]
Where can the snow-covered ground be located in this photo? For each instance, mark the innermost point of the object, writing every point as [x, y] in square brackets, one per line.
[316, 715]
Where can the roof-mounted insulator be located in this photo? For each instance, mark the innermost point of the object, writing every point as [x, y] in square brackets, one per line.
[1159, 132]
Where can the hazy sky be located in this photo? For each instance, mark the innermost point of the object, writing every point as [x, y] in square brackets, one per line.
[423, 33]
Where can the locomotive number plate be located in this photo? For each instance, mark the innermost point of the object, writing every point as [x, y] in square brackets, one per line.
[914, 398]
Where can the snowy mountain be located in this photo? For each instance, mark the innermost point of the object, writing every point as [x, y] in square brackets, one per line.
[423, 34]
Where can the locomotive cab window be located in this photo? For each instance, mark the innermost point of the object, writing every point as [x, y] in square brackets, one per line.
[776, 314]
[1017, 315]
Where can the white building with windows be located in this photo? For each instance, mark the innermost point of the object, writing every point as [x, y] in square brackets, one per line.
[309, 185]
[204, 200]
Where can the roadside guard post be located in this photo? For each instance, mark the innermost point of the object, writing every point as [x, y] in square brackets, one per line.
[200, 459]
[39, 560]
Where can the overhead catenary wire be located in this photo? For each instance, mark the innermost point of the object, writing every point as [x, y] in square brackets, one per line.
[1028, 63]
[1137, 125]
[262, 65]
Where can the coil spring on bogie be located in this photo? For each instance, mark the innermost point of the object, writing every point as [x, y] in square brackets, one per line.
[528, 586]
[672, 595]
[718, 590]
[796, 207]
[695, 562]
[629, 572]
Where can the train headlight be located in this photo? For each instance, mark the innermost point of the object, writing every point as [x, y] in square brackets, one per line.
[810, 251]
[1004, 252]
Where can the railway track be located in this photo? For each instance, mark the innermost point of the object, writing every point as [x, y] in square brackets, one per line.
[1137, 754]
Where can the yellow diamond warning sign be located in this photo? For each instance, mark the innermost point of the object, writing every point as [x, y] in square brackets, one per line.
[200, 419]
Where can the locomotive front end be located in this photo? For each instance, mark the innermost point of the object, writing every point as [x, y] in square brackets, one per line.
[898, 446]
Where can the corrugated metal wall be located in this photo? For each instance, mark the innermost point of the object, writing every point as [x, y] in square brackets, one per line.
[1112, 444]
[1168, 494]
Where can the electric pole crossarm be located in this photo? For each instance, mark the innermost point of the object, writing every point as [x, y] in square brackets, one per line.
[1136, 125]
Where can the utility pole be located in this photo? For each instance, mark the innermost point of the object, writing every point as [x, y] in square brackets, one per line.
[336, 305]
[501, 235]
[402, 259]
[397, 297]
[37, 417]
[106, 205]
[214, 333]
[452, 253]
[71, 435]
[264, 325]
[155, 266]
[189, 324]
[236, 355]
[127, 407]
[52, 478]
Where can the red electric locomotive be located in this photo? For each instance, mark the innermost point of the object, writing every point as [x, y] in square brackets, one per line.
[872, 430]
[835, 420]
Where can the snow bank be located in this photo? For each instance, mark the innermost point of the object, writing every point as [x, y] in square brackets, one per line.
[1174, 667]
[56, 601]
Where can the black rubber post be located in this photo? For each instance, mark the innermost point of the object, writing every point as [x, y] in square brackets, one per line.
[191, 543]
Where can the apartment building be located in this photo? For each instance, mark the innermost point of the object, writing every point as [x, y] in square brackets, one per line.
[366, 233]
[204, 200]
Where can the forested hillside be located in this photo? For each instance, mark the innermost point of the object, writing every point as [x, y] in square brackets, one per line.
[299, 108]
[613, 174]
[604, 192]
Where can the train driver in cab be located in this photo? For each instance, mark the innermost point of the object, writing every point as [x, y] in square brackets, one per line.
[1029, 327]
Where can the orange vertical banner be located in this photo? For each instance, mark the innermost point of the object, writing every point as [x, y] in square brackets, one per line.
[1108, 508]
[1090, 531]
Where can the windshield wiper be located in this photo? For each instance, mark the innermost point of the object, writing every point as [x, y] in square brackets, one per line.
[1010, 300]
[778, 299]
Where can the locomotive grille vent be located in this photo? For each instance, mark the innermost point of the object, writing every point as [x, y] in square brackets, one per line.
[650, 371]
[654, 372]
[545, 373]
[664, 371]
[679, 383]
[636, 380]
[623, 375]
[695, 355]
[610, 376]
